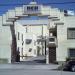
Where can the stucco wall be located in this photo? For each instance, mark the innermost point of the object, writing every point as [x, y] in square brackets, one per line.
[63, 43]
[20, 43]
[5, 42]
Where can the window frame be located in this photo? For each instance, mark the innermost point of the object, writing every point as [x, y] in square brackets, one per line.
[22, 37]
[69, 54]
[68, 33]
[51, 39]
[32, 8]
[18, 36]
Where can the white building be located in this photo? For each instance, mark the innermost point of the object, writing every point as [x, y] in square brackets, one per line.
[30, 30]
[20, 38]
[58, 26]
[64, 32]
[66, 39]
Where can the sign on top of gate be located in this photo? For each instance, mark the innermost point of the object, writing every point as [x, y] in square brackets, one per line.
[32, 8]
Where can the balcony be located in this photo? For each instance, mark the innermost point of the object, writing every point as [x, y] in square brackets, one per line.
[51, 41]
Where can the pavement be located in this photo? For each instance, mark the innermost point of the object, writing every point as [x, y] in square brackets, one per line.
[33, 72]
[32, 66]
[28, 67]
[30, 63]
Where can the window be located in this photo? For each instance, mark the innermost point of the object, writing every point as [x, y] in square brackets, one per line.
[30, 49]
[17, 48]
[33, 8]
[28, 41]
[22, 52]
[72, 52]
[22, 43]
[36, 8]
[22, 37]
[18, 36]
[28, 8]
[26, 29]
[71, 33]
[65, 13]
[34, 43]
[51, 39]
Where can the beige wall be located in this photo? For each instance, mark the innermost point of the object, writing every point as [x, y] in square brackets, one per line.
[21, 30]
[5, 42]
[63, 43]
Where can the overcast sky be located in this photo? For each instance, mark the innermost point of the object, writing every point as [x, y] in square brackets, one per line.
[8, 4]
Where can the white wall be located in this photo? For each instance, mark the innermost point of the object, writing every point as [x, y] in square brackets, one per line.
[32, 45]
[32, 32]
[5, 42]
[37, 30]
[29, 35]
[19, 28]
[63, 43]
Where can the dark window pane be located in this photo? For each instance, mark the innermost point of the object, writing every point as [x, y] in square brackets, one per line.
[18, 49]
[28, 41]
[28, 8]
[72, 52]
[18, 36]
[30, 49]
[22, 37]
[71, 33]
[31, 8]
[51, 39]
[36, 8]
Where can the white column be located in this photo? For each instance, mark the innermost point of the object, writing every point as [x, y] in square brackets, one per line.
[47, 56]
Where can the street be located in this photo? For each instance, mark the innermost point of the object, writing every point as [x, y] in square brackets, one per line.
[33, 72]
[33, 66]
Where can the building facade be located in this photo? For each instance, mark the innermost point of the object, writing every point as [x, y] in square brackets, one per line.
[57, 31]
[66, 39]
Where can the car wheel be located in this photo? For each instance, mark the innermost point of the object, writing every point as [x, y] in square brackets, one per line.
[73, 68]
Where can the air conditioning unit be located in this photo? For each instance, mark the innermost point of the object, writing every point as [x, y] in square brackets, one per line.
[51, 41]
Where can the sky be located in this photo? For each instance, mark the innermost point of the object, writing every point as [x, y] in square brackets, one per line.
[10, 4]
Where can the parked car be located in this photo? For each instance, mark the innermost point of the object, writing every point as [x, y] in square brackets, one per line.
[69, 66]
